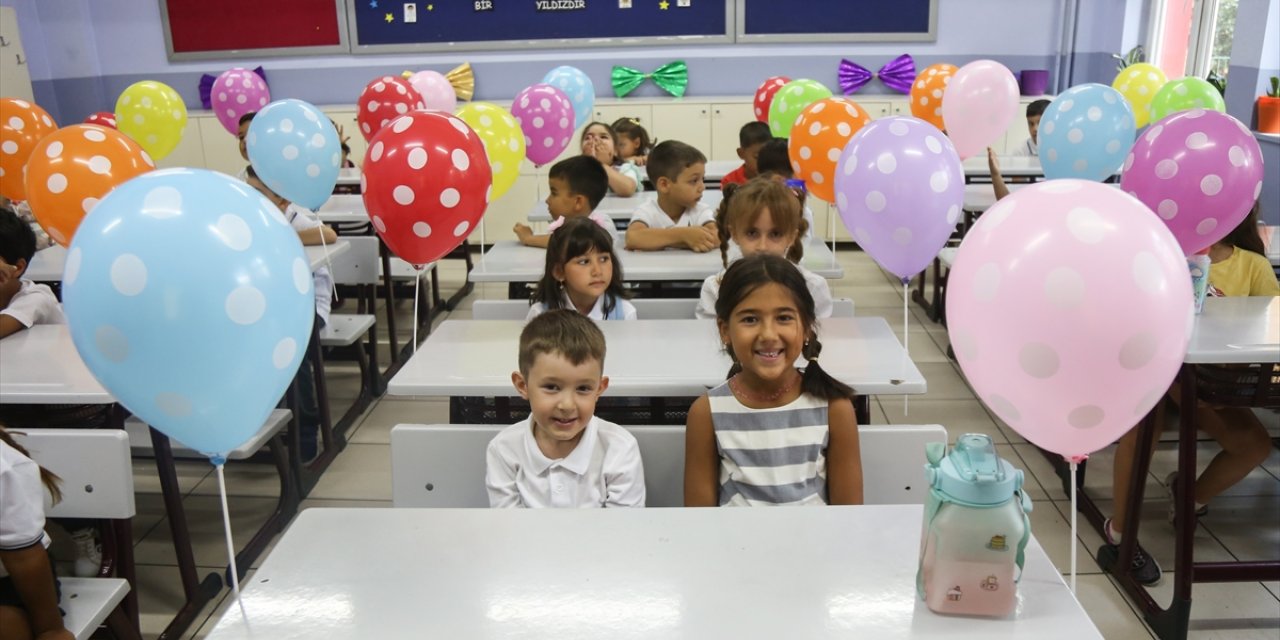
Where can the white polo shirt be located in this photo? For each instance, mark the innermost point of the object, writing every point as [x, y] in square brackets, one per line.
[34, 304]
[604, 470]
[622, 309]
[301, 219]
[21, 503]
[653, 215]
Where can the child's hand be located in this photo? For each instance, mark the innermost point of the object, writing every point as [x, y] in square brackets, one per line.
[639, 160]
[701, 239]
[523, 232]
[342, 137]
[601, 153]
[993, 161]
[58, 634]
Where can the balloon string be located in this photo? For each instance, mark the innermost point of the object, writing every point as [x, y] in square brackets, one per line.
[417, 282]
[226, 527]
[906, 343]
[1073, 526]
[324, 246]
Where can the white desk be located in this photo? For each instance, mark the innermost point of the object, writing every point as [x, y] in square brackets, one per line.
[348, 177]
[40, 365]
[647, 358]
[316, 253]
[510, 261]
[826, 572]
[48, 263]
[343, 208]
[1236, 330]
[1010, 167]
[617, 208]
[718, 169]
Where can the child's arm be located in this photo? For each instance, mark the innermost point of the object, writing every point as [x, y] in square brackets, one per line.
[620, 184]
[844, 457]
[33, 579]
[997, 180]
[642, 237]
[9, 325]
[624, 487]
[701, 461]
[323, 234]
[527, 238]
[500, 479]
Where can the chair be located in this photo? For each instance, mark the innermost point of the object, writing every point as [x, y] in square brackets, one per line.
[97, 482]
[893, 462]
[842, 308]
[395, 271]
[357, 267]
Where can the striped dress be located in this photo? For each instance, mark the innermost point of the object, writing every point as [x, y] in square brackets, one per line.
[770, 456]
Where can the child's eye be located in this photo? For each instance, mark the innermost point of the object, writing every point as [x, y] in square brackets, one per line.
[552, 388]
[585, 389]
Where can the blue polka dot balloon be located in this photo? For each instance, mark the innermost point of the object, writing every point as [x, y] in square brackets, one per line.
[1085, 133]
[575, 84]
[191, 300]
[294, 149]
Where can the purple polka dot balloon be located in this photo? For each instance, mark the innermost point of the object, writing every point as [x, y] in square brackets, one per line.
[236, 92]
[546, 117]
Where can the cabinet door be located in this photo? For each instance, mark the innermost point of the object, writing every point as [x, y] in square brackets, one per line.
[876, 108]
[220, 150]
[190, 150]
[512, 207]
[688, 123]
[727, 120]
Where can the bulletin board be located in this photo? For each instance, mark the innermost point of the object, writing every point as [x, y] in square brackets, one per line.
[837, 20]
[210, 29]
[380, 26]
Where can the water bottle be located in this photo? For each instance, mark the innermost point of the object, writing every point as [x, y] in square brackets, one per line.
[975, 530]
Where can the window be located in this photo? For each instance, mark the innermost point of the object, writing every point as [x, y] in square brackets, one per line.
[1192, 37]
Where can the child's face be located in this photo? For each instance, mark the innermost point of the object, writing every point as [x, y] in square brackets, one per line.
[763, 236]
[586, 277]
[562, 396]
[750, 158]
[687, 188]
[240, 135]
[1033, 125]
[595, 138]
[562, 202]
[10, 277]
[765, 333]
[628, 146]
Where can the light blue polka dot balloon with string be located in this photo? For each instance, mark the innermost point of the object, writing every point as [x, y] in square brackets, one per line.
[1085, 133]
[191, 300]
[575, 84]
[294, 149]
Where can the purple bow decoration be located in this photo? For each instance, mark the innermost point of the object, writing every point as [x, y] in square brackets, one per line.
[206, 86]
[898, 74]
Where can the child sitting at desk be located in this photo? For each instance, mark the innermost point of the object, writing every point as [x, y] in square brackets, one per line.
[751, 138]
[23, 303]
[600, 142]
[675, 218]
[1031, 147]
[771, 434]
[772, 160]
[577, 185]
[582, 274]
[562, 455]
[634, 143]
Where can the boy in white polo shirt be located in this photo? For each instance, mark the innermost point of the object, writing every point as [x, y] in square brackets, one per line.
[23, 303]
[676, 218]
[562, 455]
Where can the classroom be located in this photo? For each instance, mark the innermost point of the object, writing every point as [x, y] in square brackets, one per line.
[331, 318]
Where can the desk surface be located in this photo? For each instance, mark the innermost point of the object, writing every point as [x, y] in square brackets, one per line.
[621, 208]
[1010, 167]
[510, 261]
[1236, 330]
[343, 207]
[48, 263]
[647, 358]
[717, 169]
[348, 177]
[40, 365]
[826, 572]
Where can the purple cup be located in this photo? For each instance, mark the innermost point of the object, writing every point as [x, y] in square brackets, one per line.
[1034, 82]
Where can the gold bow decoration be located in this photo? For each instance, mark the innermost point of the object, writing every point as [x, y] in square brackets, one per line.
[461, 78]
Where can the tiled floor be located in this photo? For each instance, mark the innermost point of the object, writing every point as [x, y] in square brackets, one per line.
[1244, 524]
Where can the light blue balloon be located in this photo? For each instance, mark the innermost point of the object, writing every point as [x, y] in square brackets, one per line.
[1086, 133]
[575, 84]
[295, 150]
[191, 300]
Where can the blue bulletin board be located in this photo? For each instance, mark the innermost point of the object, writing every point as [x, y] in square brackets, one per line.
[837, 20]
[456, 25]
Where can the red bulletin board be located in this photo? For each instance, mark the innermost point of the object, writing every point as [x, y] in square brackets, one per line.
[197, 26]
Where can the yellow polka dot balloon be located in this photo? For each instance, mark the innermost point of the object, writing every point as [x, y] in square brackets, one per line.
[503, 142]
[1139, 83]
[153, 114]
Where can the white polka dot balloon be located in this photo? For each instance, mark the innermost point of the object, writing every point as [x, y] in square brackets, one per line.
[437, 92]
[1038, 334]
[294, 149]
[181, 298]
[577, 86]
[236, 92]
[383, 100]
[546, 115]
[1085, 133]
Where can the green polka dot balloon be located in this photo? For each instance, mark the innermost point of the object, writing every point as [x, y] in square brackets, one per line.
[790, 101]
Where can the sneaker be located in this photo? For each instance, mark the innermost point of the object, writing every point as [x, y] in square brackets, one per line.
[1173, 510]
[1144, 569]
[88, 552]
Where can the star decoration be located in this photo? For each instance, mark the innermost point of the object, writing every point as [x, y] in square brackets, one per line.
[664, 5]
[391, 17]
[431, 7]
[373, 4]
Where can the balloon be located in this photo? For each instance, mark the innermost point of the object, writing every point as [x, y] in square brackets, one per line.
[1139, 83]
[1069, 309]
[236, 92]
[790, 100]
[978, 104]
[189, 297]
[819, 135]
[1085, 133]
[22, 125]
[423, 214]
[899, 190]
[73, 168]
[295, 150]
[926, 93]
[436, 91]
[153, 114]
[102, 119]
[384, 100]
[765, 93]
[503, 142]
[546, 116]
[1184, 95]
[577, 86]
[1200, 171]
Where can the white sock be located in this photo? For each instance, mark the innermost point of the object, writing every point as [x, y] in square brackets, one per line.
[1113, 533]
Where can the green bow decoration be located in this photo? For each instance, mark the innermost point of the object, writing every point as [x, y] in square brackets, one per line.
[672, 77]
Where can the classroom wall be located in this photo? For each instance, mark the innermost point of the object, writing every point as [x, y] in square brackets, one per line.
[1255, 58]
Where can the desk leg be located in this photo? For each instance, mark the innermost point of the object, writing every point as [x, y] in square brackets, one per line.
[389, 296]
[862, 409]
[467, 284]
[286, 508]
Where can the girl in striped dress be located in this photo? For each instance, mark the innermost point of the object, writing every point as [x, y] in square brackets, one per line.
[771, 434]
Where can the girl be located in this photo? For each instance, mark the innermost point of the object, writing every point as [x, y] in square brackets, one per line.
[582, 273]
[771, 434]
[762, 216]
[633, 141]
[600, 142]
[28, 586]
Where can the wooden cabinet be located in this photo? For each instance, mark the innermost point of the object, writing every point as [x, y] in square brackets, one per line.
[190, 149]
[220, 150]
[512, 207]
[727, 119]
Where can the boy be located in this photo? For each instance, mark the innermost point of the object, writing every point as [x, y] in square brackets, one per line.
[675, 218]
[578, 184]
[1034, 111]
[241, 133]
[562, 455]
[751, 137]
[23, 303]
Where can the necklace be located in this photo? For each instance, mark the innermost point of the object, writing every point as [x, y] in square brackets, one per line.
[737, 389]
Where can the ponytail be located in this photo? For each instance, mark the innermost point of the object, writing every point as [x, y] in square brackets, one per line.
[48, 478]
[722, 219]
[817, 382]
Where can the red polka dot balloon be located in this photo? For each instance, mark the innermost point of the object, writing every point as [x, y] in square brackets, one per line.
[384, 100]
[22, 125]
[102, 119]
[426, 183]
[764, 95]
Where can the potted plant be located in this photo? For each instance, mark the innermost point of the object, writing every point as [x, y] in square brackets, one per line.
[1269, 108]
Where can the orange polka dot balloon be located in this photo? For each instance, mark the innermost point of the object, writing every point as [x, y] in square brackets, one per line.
[926, 93]
[22, 125]
[817, 139]
[73, 168]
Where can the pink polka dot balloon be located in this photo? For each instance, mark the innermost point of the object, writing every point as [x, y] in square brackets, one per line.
[1069, 308]
[1200, 171]
[546, 117]
[236, 92]
[384, 100]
